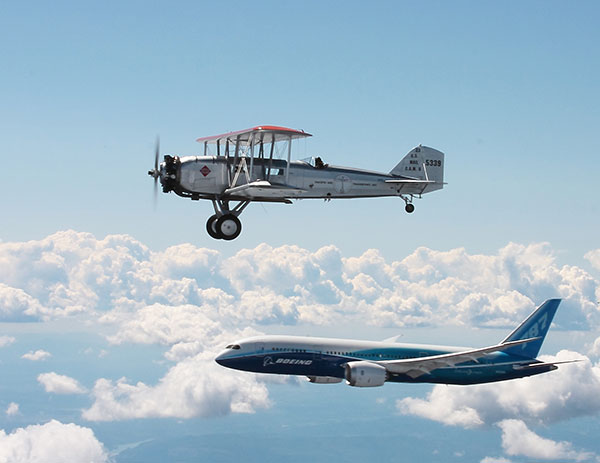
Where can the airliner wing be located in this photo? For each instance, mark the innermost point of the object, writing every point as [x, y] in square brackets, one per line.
[422, 365]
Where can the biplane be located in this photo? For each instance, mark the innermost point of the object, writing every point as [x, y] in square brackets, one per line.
[254, 165]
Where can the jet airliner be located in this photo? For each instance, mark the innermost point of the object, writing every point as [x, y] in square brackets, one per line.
[370, 363]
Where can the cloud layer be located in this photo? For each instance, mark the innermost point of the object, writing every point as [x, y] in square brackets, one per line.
[194, 301]
[71, 273]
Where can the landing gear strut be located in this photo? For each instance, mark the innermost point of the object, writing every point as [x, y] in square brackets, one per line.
[409, 207]
[224, 224]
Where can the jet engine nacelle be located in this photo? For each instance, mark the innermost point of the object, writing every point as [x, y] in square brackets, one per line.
[324, 379]
[365, 374]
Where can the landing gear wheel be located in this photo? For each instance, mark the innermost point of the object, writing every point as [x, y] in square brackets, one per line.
[409, 208]
[228, 226]
[211, 227]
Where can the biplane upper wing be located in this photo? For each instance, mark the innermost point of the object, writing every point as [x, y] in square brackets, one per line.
[264, 133]
[263, 189]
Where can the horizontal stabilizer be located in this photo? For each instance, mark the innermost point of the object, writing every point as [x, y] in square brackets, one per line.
[414, 186]
[410, 180]
[545, 364]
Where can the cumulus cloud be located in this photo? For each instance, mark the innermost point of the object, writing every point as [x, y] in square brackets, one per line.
[37, 355]
[495, 460]
[593, 258]
[70, 273]
[196, 386]
[568, 392]
[60, 384]
[518, 440]
[12, 409]
[51, 441]
[6, 340]
[17, 305]
[595, 350]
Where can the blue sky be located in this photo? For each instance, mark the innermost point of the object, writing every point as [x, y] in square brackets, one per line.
[507, 90]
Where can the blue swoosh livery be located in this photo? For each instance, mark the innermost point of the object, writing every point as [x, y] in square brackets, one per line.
[370, 363]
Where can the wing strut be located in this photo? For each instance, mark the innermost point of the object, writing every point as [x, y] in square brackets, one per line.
[271, 156]
[251, 156]
[287, 170]
[235, 157]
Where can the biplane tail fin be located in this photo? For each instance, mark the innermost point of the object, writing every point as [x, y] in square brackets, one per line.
[422, 163]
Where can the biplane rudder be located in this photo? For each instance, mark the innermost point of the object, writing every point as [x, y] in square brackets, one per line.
[422, 163]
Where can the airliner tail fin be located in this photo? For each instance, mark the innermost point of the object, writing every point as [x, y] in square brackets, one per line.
[535, 326]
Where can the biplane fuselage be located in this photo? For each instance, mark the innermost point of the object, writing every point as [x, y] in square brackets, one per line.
[203, 177]
[245, 169]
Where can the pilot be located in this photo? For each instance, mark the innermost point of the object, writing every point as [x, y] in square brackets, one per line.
[319, 164]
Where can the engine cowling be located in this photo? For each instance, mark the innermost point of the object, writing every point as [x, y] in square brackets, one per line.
[365, 374]
[324, 379]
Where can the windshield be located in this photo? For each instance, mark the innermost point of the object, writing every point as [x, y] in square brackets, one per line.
[309, 160]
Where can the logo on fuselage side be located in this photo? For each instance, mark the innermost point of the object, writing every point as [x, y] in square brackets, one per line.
[293, 361]
[205, 171]
[282, 361]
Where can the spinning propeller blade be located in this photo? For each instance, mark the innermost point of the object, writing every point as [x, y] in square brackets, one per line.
[156, 172]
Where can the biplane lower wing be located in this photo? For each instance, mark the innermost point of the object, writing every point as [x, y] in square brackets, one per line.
[263, 189]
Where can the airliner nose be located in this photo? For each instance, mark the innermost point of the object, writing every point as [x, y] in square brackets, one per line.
[220, 359]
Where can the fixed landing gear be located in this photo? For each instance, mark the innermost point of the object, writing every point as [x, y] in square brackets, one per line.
[228, 226]
[409, 206]
[211, 227]
[224, 224]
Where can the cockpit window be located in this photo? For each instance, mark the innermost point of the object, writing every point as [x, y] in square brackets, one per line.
[233, 346]
[315, 162]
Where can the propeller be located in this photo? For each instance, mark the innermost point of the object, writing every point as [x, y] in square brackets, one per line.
[155, 173]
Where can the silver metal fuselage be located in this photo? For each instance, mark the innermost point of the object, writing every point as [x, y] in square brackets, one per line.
[203, 177]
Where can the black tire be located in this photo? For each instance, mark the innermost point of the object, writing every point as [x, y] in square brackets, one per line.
[211, 227]
[229, 227]
[409, 208]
